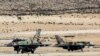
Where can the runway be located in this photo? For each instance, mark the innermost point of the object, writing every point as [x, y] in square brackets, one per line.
[57, 54]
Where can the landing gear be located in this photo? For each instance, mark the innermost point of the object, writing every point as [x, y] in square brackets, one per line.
[32, 51]
[81, 50]
[18, 51]
[27, 50]
[68, 50]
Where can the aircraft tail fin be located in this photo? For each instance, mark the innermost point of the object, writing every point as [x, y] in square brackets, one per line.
[36, 36]
[37, 33]
[59, 40]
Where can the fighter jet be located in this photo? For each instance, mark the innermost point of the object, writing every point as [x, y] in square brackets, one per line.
[27, 45]
[70, 46]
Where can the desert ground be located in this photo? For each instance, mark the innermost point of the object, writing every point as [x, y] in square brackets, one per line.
[21, 26]
[62, 22]
[10, 26]
[21, 18]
